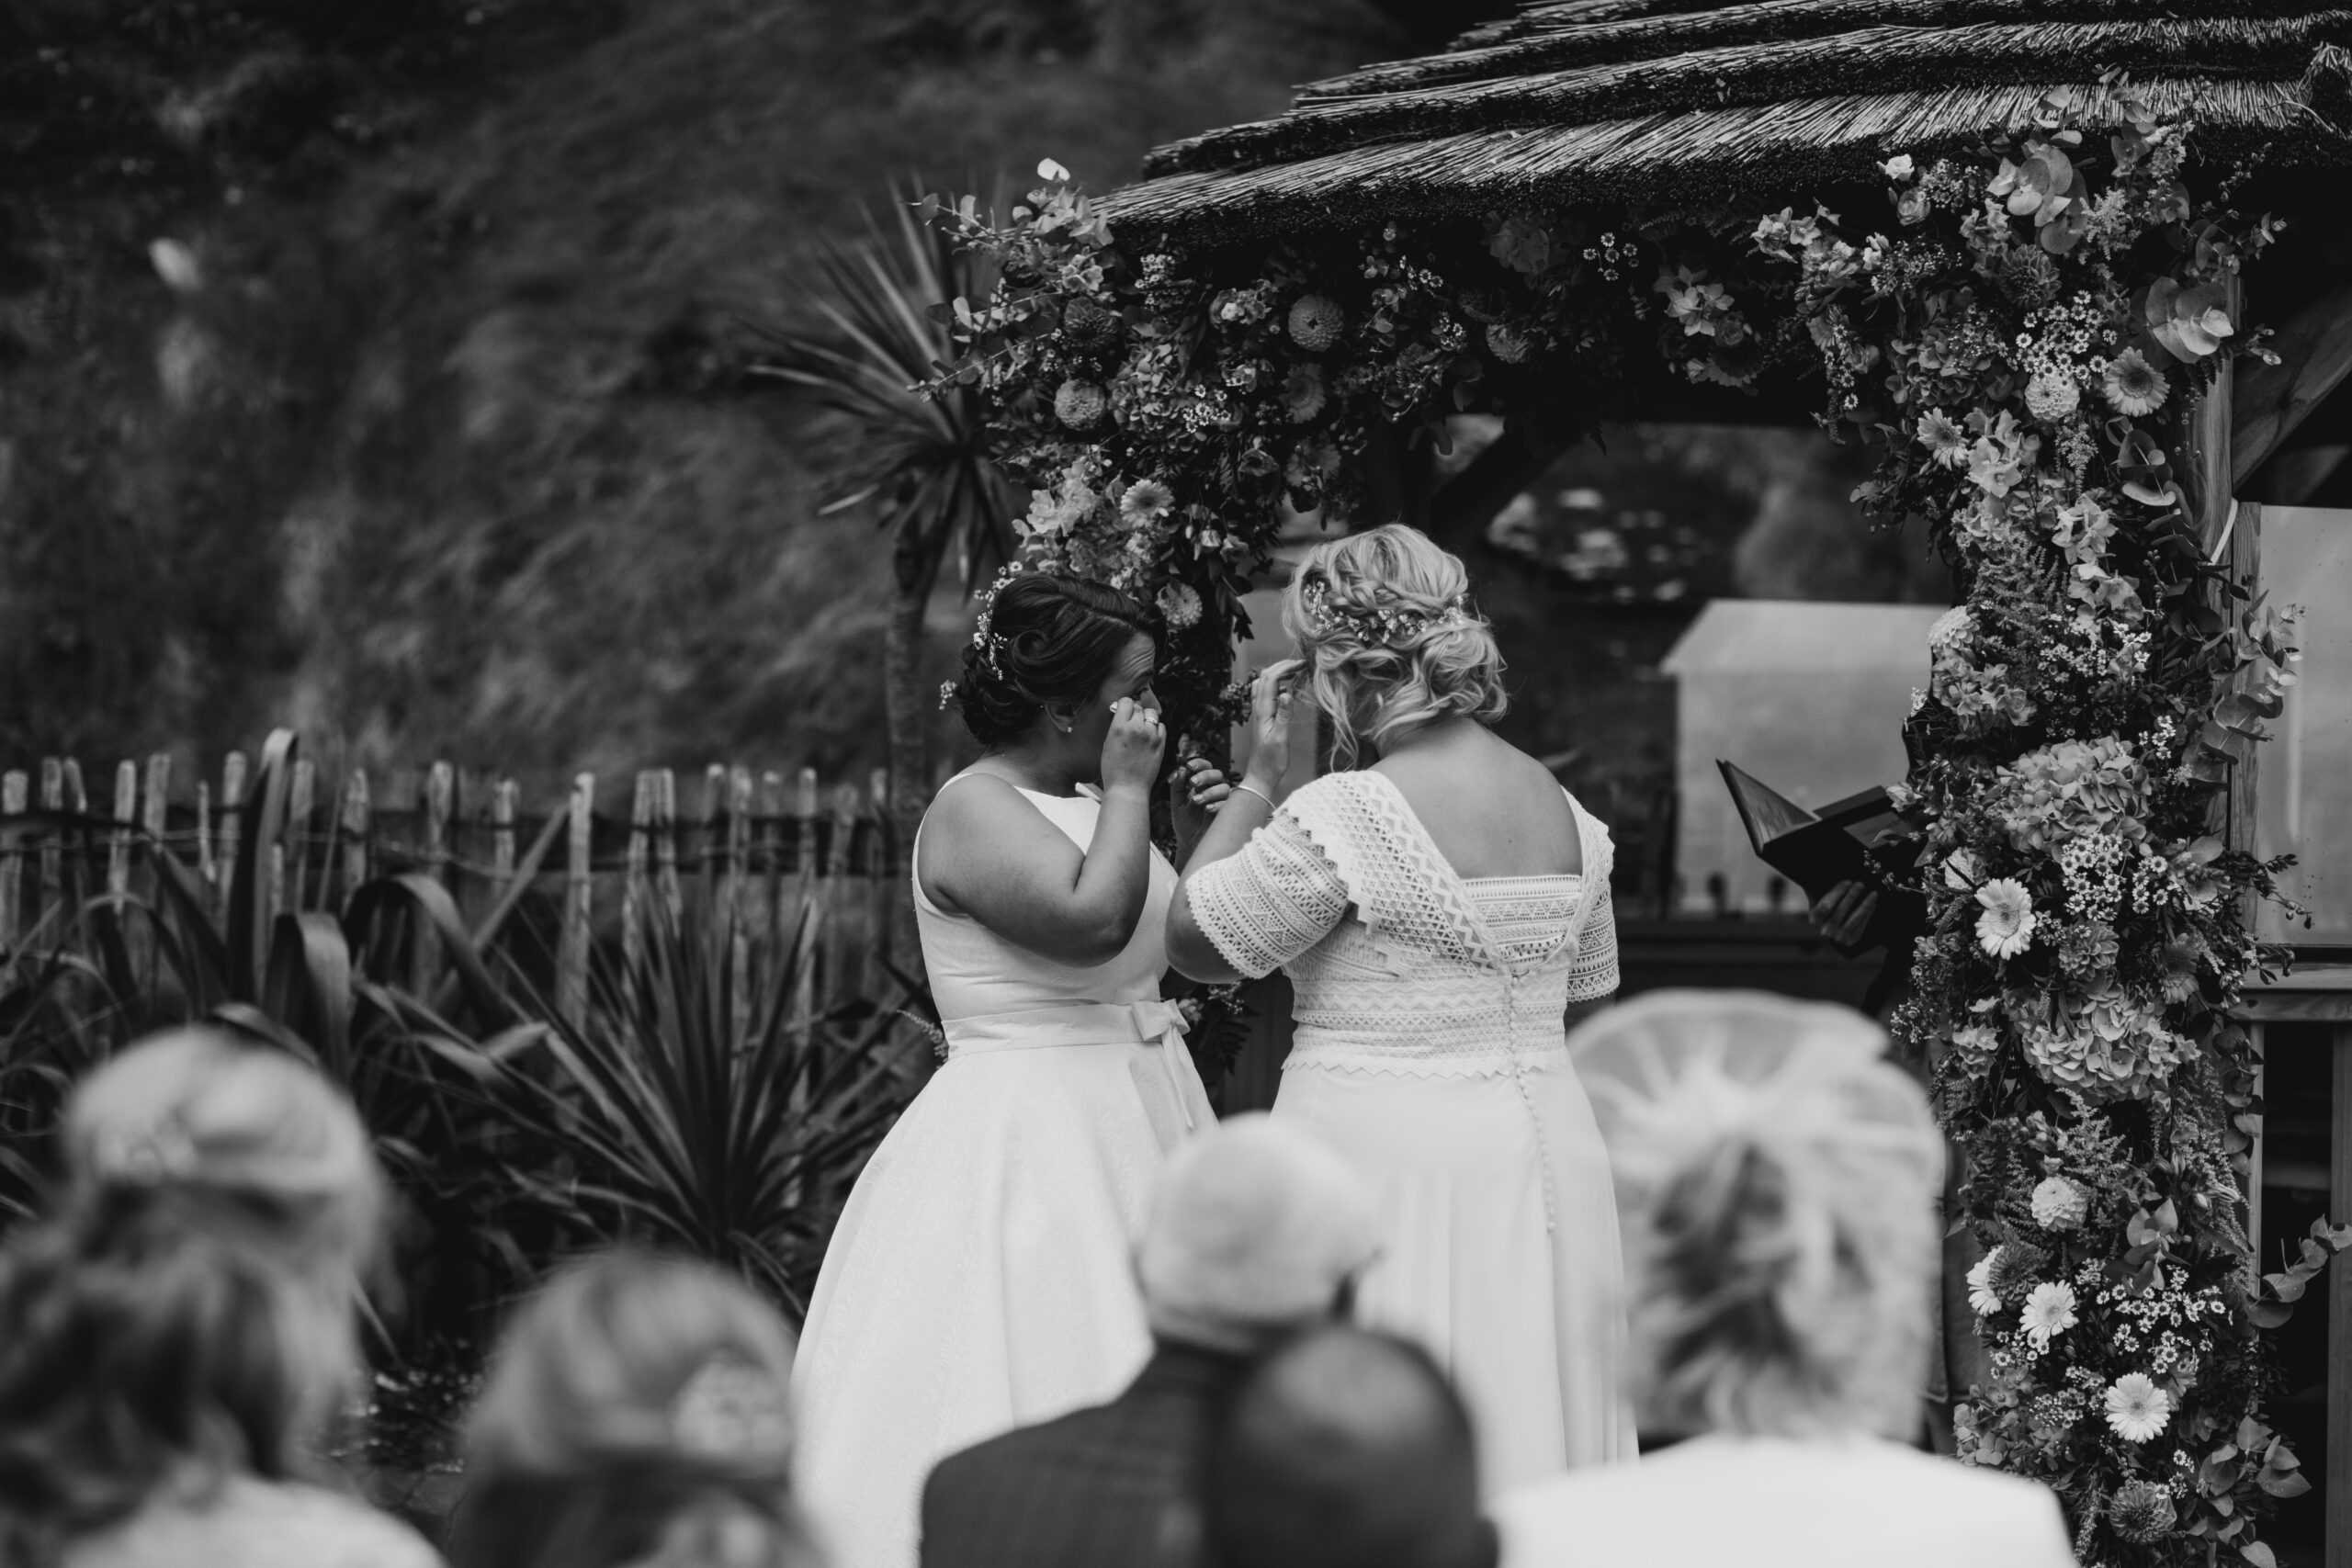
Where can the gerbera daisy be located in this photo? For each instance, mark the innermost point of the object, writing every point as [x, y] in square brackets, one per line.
[1982, 1297]
[2050, 1312]
[1145, 501]
[1942, 438]
[2133, 386]
[1303, 392]
[2136, 1408]
[2006, 927]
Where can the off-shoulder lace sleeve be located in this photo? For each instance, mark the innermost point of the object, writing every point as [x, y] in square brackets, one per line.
[1277, 897]
[1594, 973]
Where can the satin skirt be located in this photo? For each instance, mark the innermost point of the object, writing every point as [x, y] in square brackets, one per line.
[981, 1277]
[1523, 1301]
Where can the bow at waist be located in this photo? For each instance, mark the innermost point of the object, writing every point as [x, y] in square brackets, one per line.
[1150, 1022]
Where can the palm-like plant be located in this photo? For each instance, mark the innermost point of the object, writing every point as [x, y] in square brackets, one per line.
[920, 463]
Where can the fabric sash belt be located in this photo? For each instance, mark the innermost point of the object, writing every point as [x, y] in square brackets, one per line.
[1154, 1022]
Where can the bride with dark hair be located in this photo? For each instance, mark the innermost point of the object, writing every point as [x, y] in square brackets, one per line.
[980, 1275]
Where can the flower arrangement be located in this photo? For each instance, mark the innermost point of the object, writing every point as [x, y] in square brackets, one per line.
[2011, 342]
[2015, 339]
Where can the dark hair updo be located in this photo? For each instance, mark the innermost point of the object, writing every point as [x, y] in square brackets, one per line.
[1055, 641]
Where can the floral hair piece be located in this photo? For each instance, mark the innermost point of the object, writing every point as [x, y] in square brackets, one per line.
[732, 1409]
[1384, 627]
[147, 1156]
[984, 635]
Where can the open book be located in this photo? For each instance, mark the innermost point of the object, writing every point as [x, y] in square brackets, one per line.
[1817, 850]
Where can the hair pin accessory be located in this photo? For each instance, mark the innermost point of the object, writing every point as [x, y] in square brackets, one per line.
[732, 1409]
[1386, 627]
[984, 636]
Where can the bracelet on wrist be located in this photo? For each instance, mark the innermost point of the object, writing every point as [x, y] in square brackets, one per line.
[1253, 789]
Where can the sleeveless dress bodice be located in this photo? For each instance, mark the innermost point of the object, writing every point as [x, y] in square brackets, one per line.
[976, 972]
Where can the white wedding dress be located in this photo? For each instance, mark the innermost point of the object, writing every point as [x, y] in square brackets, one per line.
[1431, 1048]
[981, 1275]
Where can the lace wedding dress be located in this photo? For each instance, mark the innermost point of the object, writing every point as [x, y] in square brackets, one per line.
[980, 1276]
[1430, 1047]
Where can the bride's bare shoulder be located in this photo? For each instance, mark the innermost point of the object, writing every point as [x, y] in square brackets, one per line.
[976, 801]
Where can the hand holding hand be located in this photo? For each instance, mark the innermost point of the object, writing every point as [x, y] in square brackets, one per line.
[1131, 751]
[1270, 697]
[1843, 912]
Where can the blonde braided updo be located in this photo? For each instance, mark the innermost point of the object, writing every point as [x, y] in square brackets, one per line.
[1383, 623]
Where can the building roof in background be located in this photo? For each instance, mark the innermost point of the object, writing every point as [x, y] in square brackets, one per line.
[1658, 101]
[1778, 636]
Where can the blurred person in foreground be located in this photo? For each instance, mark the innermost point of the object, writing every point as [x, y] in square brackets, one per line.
[1256, 1230]
[177, 1332]
[637, 1413]
[1778, 1181]
[1346, 1449]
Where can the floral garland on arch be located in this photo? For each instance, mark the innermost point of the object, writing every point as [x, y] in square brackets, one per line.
[2017, 338]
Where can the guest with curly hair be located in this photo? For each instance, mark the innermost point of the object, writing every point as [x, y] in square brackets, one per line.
[177, 1333]
[637, 1413]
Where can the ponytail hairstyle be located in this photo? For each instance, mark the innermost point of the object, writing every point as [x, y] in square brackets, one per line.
[1779, 1180]
[1383, 622]
[187, 1312]
[637, 1412]
[1043, 640]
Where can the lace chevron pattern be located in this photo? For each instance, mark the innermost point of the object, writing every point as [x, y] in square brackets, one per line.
[1398, 965]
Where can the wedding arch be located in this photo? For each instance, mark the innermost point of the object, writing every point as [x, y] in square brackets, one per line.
[2020, 249]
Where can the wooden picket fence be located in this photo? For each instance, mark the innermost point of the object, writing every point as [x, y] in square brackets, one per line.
[781, 851]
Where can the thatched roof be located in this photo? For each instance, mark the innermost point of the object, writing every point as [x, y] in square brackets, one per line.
[1576, 101]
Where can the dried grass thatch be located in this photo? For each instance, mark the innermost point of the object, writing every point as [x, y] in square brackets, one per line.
[1651, 100]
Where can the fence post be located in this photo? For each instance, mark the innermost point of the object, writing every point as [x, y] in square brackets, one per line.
[301, 798]
[738, 863]
[843, 913]
[770, 849]
[440, 799]
[15, 786]
[633, 883]
[579, 905]
[78, 800]
[665, 843]
[125, 812]
[504, 796]
[157, 816]
[713, 839]
[357, 818]
[233, 797]
[52, 859]
[810, 922]
[881, 857]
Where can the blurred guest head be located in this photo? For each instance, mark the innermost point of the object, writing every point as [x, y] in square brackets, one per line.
[1256, 1228]
[1346, 1449]
[637, 1413]
[187, 1312]
[1777, 1180]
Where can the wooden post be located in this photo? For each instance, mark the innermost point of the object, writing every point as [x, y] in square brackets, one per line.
[2336, 1484]
[770, 851]
[665, 844]
[301, 799]
[504, 797]
[356, 822]
[844, 946]
[232, 799]
[810, 920]
[712, 846]
[16, 788]
[125, 812]
[882, 906]
[52, 859]
[579, 905]
[440, 800]
[156, 819]
[633, 885]
[737, 901]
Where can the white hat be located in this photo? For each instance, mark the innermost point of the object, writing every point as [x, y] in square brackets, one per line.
[1255, 1226]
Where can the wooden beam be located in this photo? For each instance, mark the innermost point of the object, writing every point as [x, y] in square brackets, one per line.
[2315, 353]
[2337, 1484]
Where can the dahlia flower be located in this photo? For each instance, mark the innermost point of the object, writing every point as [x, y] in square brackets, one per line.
[1316, 322]
[1080, 404]
[2059, 1204]
[2142, 1512]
